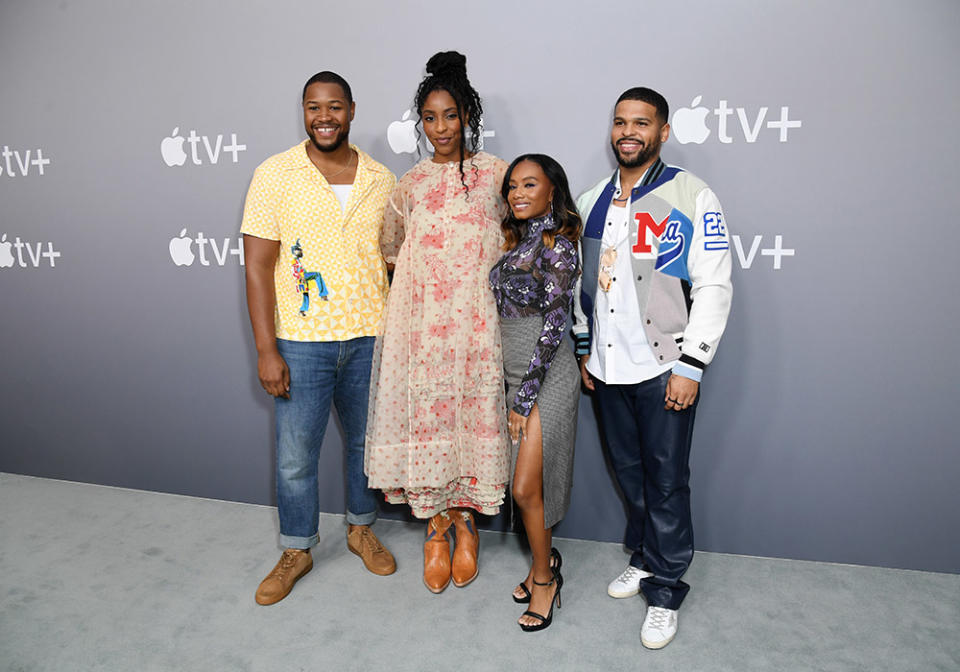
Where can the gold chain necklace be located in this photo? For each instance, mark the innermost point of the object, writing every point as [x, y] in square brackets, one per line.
[349, 163]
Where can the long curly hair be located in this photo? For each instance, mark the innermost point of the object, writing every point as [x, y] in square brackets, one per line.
[562, 205]
[447, 71]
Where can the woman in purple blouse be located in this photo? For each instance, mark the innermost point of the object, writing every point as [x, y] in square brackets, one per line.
[533, 285]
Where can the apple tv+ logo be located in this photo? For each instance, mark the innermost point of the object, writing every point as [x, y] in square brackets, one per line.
[19, 163]
[182, 254]
[689, 124]
[173, 153]
[34, 257]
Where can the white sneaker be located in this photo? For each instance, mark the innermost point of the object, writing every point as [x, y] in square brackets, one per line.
[628, 583]
[659, 627]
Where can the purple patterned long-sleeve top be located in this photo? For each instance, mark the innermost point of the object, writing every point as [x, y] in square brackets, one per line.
[532, 279]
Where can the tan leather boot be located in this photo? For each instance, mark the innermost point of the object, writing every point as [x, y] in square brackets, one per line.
[465, 567]
[436, 553]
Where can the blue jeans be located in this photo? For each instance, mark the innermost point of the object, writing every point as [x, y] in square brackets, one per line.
[649, 449]
[321, 373]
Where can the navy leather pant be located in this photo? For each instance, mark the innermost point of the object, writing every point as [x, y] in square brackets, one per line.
[649, 448]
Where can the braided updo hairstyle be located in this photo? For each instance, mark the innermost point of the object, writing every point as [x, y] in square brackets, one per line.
[447, 71]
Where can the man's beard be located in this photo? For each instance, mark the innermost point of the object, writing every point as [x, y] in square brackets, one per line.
[644, 155]
[337, 142]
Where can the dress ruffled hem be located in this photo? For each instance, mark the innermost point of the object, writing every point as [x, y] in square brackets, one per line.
[465, 492]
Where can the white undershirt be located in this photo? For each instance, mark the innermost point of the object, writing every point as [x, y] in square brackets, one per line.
[342, 192]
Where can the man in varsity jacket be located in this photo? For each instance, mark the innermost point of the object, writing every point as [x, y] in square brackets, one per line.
[651, 307]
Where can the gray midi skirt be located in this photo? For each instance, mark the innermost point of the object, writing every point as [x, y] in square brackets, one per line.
[557, 401]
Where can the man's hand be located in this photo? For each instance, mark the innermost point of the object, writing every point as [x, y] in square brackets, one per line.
[274, 374]
[517, 425]
[681, 393]
[587, 378]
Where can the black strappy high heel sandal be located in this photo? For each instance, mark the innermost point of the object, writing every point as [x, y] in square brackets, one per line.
[555, 563]
[545, 621]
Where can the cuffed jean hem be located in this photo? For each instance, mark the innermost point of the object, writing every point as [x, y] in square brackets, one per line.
[299, 543]
[361, 518]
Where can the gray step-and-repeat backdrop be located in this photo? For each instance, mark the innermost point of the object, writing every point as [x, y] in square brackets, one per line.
[129, 133]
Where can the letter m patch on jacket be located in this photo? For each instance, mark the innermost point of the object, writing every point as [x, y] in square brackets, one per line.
[669, 239]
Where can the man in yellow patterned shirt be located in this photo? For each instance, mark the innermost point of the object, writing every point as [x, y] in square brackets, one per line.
[316, 285]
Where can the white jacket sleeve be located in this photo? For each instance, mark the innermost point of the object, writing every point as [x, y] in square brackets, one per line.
[581, 329]
[708, 264]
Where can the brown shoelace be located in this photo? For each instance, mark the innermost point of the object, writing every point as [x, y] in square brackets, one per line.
[367, 536]
[287, 561]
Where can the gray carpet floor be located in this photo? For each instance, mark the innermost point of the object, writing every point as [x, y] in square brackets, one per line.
[97, 578]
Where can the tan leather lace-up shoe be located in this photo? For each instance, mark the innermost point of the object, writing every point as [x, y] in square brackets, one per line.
[465, 554]
[363, 542]
[436, 553]
[293, 564]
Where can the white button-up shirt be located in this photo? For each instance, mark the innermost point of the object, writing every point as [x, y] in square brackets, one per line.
[620, 353]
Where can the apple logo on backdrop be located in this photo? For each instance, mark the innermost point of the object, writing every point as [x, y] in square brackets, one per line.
[689, 123]
[171, 149]
[6, 258]
[180, 250]
[402, 135]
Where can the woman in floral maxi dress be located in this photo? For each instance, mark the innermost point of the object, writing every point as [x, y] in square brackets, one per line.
[436, 434]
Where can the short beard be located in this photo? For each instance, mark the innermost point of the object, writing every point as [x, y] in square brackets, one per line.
[644, 155]
[341, 138]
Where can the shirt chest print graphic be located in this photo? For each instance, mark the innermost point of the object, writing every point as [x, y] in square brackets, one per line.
[607, 261]
[302, 278]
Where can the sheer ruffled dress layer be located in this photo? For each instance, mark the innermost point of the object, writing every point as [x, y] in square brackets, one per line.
[436, 434]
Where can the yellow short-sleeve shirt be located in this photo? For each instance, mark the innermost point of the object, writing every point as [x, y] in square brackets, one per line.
[330, 278]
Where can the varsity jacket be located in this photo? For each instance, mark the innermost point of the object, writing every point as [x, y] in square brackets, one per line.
[681, 262]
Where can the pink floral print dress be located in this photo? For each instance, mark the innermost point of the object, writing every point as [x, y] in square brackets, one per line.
[436, 431]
